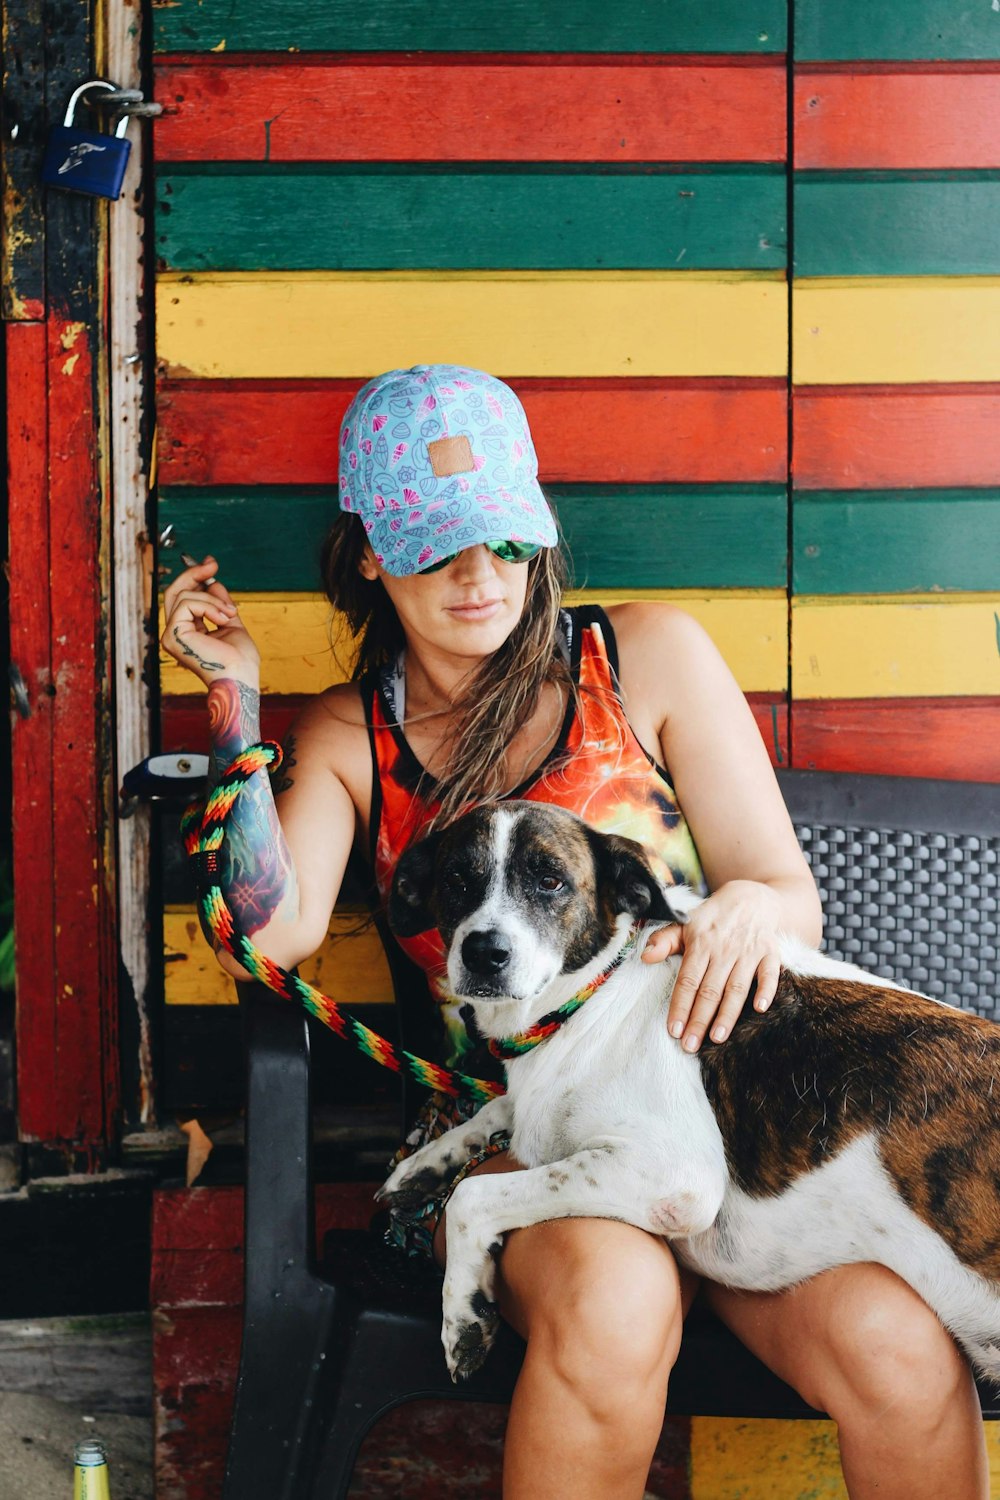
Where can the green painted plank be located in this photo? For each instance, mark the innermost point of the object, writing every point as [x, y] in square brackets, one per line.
[619, 536]
[897, 224]
[895, 541]
[846, 29]
[331, 218]
[455, 26]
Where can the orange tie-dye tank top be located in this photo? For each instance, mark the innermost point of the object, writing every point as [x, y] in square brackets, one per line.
[597, 769]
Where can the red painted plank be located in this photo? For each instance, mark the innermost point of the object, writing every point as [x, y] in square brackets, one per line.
[185, 726]
[897, 115]
[631, 431]
[195, 1360]
[956, 739]
[194, 1219]
[31, 737]
[85, 994]
[255, 107]
[885, 437]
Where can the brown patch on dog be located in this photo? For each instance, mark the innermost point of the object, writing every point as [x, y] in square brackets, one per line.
[835, 1059]
[546, 844]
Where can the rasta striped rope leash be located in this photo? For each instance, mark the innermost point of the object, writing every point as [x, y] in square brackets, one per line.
[204, 832]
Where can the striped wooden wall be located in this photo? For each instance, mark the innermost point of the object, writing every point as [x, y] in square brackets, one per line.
[896, 389]
[600, 218]
[593, 202]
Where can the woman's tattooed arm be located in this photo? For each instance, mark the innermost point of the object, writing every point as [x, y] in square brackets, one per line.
[257, 871]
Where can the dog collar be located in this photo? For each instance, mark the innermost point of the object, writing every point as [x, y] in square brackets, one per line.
[507, 1047]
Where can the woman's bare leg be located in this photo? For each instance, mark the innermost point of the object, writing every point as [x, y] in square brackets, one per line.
[859, 1343]
[600, 1305]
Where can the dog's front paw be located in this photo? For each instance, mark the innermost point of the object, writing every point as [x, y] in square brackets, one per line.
[468, 1334]
[419, 1177]
[406, 1194]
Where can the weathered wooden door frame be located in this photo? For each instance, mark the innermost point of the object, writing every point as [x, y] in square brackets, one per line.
[78, 485]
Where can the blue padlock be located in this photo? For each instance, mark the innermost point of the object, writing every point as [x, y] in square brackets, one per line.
[86, 161]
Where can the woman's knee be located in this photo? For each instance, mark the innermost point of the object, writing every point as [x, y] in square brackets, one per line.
[601, 1303]
[884, 1348]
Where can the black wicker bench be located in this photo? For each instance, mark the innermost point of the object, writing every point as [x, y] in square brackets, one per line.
[909, 872]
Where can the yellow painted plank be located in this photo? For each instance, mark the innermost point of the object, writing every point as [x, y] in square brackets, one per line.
[898, 329]
[895, 646]
[292, 631]
[527, 323]
[741, 1460]
[733, 1459]
[350, 966]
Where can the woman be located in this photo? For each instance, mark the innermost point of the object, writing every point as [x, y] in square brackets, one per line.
[473, 682]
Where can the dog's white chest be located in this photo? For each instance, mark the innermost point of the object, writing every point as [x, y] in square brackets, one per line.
[613, 1072]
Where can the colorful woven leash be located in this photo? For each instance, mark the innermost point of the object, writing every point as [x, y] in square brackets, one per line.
[204, 832]
[508, 1047]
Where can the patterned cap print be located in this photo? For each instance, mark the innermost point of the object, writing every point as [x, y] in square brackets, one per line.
[436, 459]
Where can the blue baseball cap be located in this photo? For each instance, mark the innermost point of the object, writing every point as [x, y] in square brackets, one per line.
[436, 459]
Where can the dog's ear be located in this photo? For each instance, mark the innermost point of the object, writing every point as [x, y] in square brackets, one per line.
[410, 893]
[627, 880]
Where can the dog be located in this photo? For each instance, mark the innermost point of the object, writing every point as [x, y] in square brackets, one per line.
[851, 1121]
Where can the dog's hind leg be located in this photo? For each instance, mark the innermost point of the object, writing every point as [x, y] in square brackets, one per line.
[608, 1180]
[418, 1177]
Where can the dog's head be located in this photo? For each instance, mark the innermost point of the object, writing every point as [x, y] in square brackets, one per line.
[521, 893]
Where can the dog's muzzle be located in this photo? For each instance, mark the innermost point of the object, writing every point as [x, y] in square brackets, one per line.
[486, 954]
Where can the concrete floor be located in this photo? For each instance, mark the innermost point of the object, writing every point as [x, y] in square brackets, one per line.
[63, 1380]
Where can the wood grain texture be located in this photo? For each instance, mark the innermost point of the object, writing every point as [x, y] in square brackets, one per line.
[881, 224]
[31, 723]
[893, 116]
[85, 996]
[898, 330]
[895, 646]
[518, 323]
[945, 29]
[350, 966]
[574, 109]
[880, 437]
[956, 739]
[633, 26]
[894, 541]
[285, 432]
[293, 632]
[321, 217]
[617, 536]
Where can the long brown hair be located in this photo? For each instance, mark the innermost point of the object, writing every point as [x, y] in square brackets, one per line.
[502, 693]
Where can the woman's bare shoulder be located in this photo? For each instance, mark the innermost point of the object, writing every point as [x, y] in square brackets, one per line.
[331, 724]
[659, 644]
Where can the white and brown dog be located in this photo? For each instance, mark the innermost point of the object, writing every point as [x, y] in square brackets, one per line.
[852, 1121]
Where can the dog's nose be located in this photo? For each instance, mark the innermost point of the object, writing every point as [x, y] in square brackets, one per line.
[485, 952]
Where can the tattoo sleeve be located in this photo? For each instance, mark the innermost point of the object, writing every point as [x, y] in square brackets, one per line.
[257, 871]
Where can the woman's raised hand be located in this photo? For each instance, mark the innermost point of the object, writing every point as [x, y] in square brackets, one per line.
[195, 600]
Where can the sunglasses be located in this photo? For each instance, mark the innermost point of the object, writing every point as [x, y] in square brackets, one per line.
[508, 552]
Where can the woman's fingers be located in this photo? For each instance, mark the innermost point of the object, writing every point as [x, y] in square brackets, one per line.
[734, 997]
[686, 986]
[711, 991]
[664, 942]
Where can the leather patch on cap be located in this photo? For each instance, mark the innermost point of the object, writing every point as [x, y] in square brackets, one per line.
[451, 455]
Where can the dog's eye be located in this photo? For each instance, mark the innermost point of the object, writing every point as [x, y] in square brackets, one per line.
[455, 882]
[550, 884]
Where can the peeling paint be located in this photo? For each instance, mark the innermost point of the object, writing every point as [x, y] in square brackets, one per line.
[71, 333]
[70, 364]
